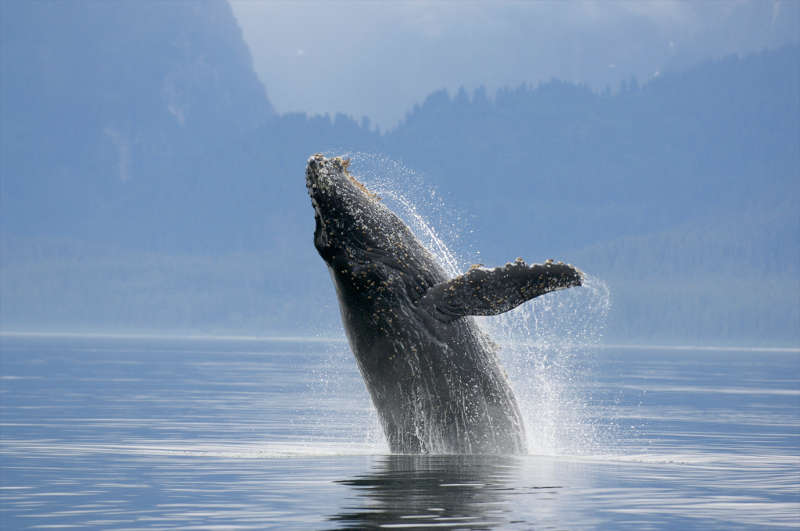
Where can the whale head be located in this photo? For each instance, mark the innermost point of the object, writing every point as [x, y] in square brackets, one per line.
[345, 212]
[357, 235]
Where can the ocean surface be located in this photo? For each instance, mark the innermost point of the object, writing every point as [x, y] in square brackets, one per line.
[244, 433]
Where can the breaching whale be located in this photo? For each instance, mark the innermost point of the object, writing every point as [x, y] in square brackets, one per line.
[433, 376]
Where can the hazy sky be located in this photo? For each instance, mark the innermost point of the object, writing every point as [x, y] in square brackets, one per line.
[378, 59]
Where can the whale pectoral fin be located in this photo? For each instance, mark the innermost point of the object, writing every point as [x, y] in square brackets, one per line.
[482, 291]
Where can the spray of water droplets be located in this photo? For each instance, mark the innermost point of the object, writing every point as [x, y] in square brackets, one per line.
[405, 193]
[547, 349]
[546, 344]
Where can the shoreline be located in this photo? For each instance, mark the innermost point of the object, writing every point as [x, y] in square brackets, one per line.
[342, 339]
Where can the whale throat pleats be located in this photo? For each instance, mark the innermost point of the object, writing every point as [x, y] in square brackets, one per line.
[482, 291]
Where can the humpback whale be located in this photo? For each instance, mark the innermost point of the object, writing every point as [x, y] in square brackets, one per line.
[433, 375]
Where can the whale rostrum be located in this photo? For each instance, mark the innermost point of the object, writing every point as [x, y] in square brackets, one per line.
[433, 375]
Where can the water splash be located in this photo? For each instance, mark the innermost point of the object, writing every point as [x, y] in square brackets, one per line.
[343, 410]
[546, 344]
[418, 204]
[547, 349]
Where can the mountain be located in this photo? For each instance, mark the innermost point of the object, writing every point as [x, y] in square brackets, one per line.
[592, 167]
[109, 110]
[148, 184]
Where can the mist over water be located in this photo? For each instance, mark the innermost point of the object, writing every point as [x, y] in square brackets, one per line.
[545, 345]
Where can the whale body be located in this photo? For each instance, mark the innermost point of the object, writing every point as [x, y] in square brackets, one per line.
[433, 375]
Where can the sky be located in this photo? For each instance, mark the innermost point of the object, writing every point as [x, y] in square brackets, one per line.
[377, 59]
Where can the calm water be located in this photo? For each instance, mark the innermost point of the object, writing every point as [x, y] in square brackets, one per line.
[243, 434]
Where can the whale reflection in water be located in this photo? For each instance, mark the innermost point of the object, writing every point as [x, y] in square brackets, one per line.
[420, 491]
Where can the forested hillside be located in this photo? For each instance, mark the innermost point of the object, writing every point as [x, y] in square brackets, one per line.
[108, 108]
[166, 194]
